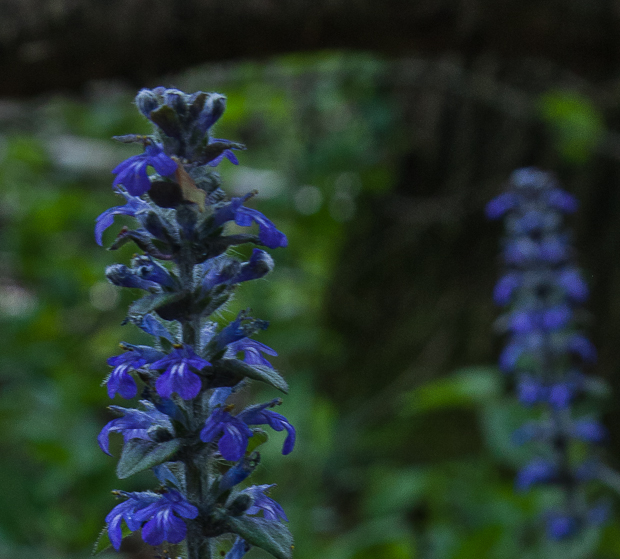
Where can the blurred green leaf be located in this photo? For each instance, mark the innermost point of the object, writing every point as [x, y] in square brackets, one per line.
[577, 123]
[258, 438]
[465, 388]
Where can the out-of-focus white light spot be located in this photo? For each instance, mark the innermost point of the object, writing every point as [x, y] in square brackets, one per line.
[268, 183]
[83, 154]
[16, 301]
[104, 296]
[308, 200]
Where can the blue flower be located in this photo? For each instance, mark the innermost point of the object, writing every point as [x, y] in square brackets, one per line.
[271, 509]
[155, 328]
[503, 203]
[123, 276]
[562, 200]
[134, 357]
[132, 174]
[240, 471]
[561, 526]
[252, 351]
[260, 415]
[147, 101]
[238, 550]
[589, 430]
[149, 270]
[572, 282]
[177, 376]
[164, 518]
[212, 110]
[258, 266]
[219, 270]
[583, 347]
[235, 433]
[227, 153]
[127, 511]
[225, 270]
[134, 424]
[132, 208]
[505, 288]
[538, 470]
[242, 327]
[242, 216]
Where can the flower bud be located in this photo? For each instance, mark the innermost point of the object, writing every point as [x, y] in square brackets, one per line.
[175, 99]
[242, 503]
[146, 101]
[213, 109]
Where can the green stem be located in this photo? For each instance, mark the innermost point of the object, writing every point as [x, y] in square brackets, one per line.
[197, 466]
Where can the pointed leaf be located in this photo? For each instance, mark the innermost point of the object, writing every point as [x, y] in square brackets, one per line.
[260, 437]
[270, 535]
[103, 540]
[139, 455]
[256, 372]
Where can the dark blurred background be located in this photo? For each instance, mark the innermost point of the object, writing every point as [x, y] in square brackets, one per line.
[376, 131]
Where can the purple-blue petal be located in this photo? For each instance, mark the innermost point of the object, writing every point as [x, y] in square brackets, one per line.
[234, 441]
[122, 382]
[238, 550]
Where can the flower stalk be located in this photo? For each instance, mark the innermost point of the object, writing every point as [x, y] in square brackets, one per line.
[185, 431]
[546, 352]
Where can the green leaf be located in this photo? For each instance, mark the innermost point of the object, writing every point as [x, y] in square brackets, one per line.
[258, 438]
[577, 123]
[103, 540]
[466, 388]
[256, 372]
[270, 535]
[139, 455]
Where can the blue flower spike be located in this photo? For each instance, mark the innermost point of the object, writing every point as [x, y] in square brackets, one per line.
[541, 290]
[183, 429]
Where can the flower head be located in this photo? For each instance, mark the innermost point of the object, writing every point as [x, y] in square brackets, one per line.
[164, 518]
[235, 433]
[252, 350]
[134, 424]
[120, 381]
[242, 216]
[132, 208]
[178, 376]
[261, 502]
[127, 511]
[260, 415]
[132, 174]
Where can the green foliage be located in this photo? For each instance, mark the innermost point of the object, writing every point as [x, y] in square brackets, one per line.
[577, 124]
[466, 388]
[273, 537]
[139, 455]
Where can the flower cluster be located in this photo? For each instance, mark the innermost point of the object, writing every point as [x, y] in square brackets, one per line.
[542, 292]
[195, 442]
